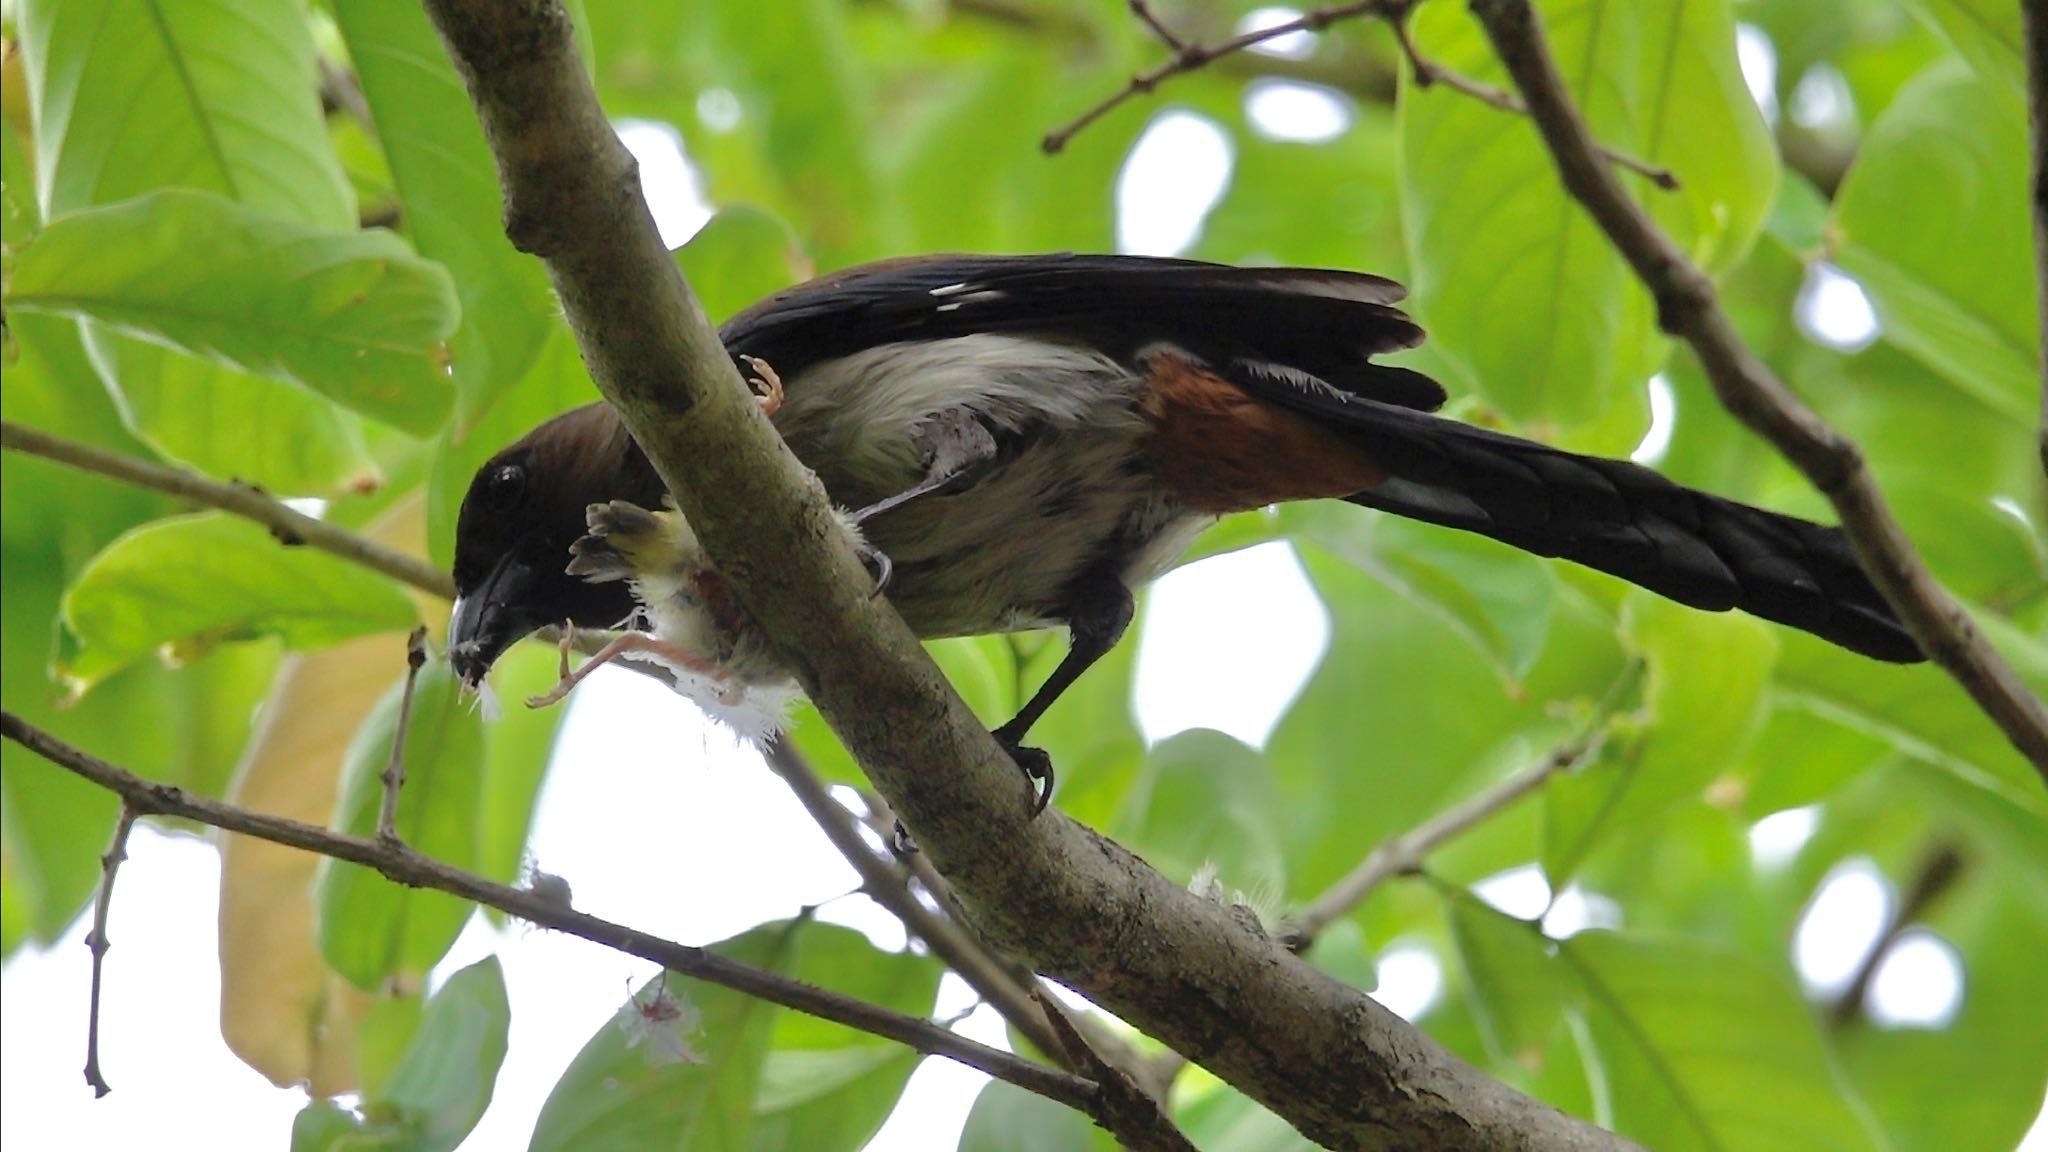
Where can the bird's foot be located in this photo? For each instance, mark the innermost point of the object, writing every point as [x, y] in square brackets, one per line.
[766, 384]
[900, 842]
[625, 644]
[877, 563]
[1036, 766]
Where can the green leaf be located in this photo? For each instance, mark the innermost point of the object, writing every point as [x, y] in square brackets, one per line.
[1930, 220]
[1702, 703]
[557, 382]
[626, 1098]
[1986, 33]
[221, 96]
[186, 583]
[825, 1086]
[209, 417]
[354, 316]
[443, 1085]
[447, 188]
[742, 255]
[1499, 597]
[1921, 711]
[1708, 1049]
[1519, 995]
[1006, 1118]
[1518, 287]
[1202, 798]
[521, 746]
[371, 928]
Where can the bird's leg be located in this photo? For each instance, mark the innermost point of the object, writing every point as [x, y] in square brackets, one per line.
[954, 443]
[769, 385]
[625, 644]
[1096, 620]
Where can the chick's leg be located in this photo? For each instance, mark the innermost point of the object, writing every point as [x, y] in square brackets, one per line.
[625, 644]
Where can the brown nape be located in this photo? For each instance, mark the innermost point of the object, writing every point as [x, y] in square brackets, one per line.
[1222, 449]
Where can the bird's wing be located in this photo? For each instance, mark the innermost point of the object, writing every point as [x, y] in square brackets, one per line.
[1287, 325]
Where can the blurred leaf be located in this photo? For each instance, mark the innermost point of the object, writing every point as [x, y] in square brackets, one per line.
[2000, 934]
[441, 1089]
[370, 928]
[1518, 992]
[742, 255]
[183, 584]
[1921, 711]
[1405, 715]
[447, 188]
[1927, 219]
[1986, 33]
[1203, 799]
[1702, 702]
[825, 1086]
[1707, 1049]
[221, 96]
[1500, 597]
[521, 744]
[282, 1010]
[1006, 1118]
[354, 316]
[556, 383]
[1518, 286]
[627, 1098]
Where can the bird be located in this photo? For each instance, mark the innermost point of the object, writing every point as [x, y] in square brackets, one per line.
[1028, 439]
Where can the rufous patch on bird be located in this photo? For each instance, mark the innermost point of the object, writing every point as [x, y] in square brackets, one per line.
[1221, 449]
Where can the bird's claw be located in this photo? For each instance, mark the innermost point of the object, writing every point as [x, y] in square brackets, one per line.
[767, 385]
[900, 842]
[1037, 769]
[877, 563]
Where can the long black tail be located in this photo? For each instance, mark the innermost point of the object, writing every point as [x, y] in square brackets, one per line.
[1628, 521]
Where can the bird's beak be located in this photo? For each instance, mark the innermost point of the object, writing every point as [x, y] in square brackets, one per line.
[491, 619]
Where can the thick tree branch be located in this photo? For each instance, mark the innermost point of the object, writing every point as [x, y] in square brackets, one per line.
[2035, 15]
[1078, 907]
[291, 528]
[1687, 308]
[403, 865]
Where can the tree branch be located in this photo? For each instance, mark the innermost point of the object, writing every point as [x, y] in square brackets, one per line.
[393, 778]
[96, 941]
[883, 880]
[1686, 307]
[2034, 13]
[404, 865]
[1189, 56]
[291, 528]
[1069, 902]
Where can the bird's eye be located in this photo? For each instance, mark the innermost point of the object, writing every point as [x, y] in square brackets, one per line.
[505, 487]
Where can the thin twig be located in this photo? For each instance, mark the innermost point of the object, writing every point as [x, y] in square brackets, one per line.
[1127, 1109]
[394, 768]
[1687, 308]
[1937, 875]
[1189, 56]
[885, 882]
[291, 528]
[96, 941]
[1428, 72]
[2034, 13]
[1405, 854]
[404, 865]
